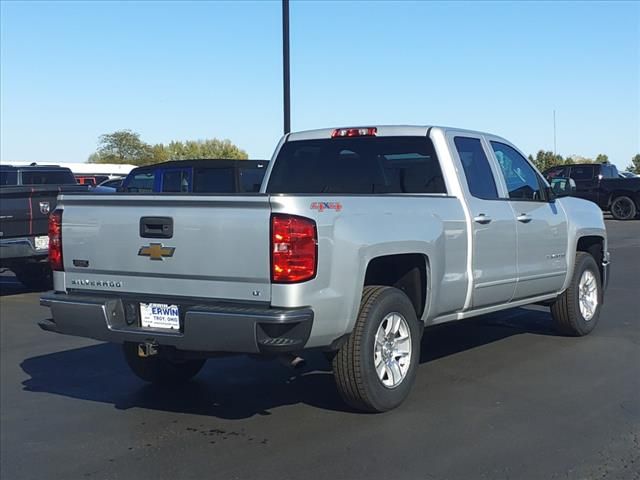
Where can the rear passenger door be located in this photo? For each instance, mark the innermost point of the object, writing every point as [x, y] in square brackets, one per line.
[492, 222]
[586, 181]
[541, 225]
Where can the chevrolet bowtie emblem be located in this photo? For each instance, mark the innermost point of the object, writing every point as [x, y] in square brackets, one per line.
[156, 251]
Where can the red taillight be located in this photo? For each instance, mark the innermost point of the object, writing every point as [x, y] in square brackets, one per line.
[294, 249]
[354, 132]
[55, 241]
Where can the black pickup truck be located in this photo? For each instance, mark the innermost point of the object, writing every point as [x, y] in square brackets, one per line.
[601, 183]
[27, 195]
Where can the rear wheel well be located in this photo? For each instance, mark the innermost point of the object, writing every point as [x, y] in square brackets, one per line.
[594, 246]
[623, 193]
[407, 272]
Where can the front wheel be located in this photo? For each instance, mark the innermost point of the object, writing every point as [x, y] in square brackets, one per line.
[158, 368]
[577, 310]
[623, 208]
[376, 367]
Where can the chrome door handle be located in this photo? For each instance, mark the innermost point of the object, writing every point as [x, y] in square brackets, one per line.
[524, 218]
[482, 219]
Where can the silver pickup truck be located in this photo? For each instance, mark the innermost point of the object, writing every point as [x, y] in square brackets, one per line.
[358, 239]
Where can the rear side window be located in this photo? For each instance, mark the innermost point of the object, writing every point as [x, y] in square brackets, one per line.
[8, 177]
[51, 177]
[582, 173]
[140, 182]
[251, 179]
[357, 166]
[175, 181]
[476, 168]
[523, 183]
[213, 180]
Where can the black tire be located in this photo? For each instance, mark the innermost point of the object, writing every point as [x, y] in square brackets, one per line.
[566, 309]
[35, 276]
[354, 365]
[159, 369]
[623, 208]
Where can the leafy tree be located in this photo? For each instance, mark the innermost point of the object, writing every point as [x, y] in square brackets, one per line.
[635, 164]
[122, 146]
[545, 159]
[602, 158]
[577, 159]
[125, 146]
[214, 148]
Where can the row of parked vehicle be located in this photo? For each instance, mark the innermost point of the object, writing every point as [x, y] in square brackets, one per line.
[28, 194]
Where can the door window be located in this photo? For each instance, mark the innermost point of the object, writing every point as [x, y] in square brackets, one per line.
[141, 182]
[251, 179]
[214, 180]
[523, 183]
[48, 177]
[584, 172]
[175, 181]
[8, 177]
[476, 168]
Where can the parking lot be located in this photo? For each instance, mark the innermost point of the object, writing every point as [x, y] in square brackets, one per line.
[498, 397]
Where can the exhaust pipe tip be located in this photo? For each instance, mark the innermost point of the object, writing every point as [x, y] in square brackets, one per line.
[292, 361]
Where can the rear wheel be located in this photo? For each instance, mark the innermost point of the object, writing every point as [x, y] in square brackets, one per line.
[160, 369]
[623, 208]
[577, 310]
[376, 367]
[35, 276]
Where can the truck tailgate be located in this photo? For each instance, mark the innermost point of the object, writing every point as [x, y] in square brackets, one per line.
[24, 210]
[219, 247]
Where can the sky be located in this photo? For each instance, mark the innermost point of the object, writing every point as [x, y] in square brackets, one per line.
[71, 71]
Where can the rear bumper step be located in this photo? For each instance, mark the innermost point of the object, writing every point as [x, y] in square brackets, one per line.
[233, 328]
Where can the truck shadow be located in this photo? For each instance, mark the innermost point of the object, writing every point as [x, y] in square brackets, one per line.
[9, 285]
[240, 387]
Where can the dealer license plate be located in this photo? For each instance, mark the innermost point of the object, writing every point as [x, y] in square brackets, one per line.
[42, 242]
[160, 315]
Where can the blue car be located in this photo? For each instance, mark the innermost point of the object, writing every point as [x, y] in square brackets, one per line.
[197, 176]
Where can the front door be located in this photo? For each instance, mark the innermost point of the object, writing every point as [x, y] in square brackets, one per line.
[494, 262]
[541, 226]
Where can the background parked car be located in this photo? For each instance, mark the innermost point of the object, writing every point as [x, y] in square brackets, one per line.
[28, 194]
[197, 176]
[601, 183]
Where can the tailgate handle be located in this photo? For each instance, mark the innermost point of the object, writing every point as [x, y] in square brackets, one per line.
[156, 227]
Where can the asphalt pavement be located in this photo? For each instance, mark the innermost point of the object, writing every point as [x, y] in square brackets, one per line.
[498, 397]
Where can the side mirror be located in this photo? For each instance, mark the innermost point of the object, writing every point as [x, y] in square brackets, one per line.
[563, 187]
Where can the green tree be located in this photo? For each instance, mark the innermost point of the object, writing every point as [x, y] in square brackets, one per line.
[577, 159]
[635, 164]
[122, 146]
[545, 159]
[213, 148]
[602, 158]
[125, 146]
